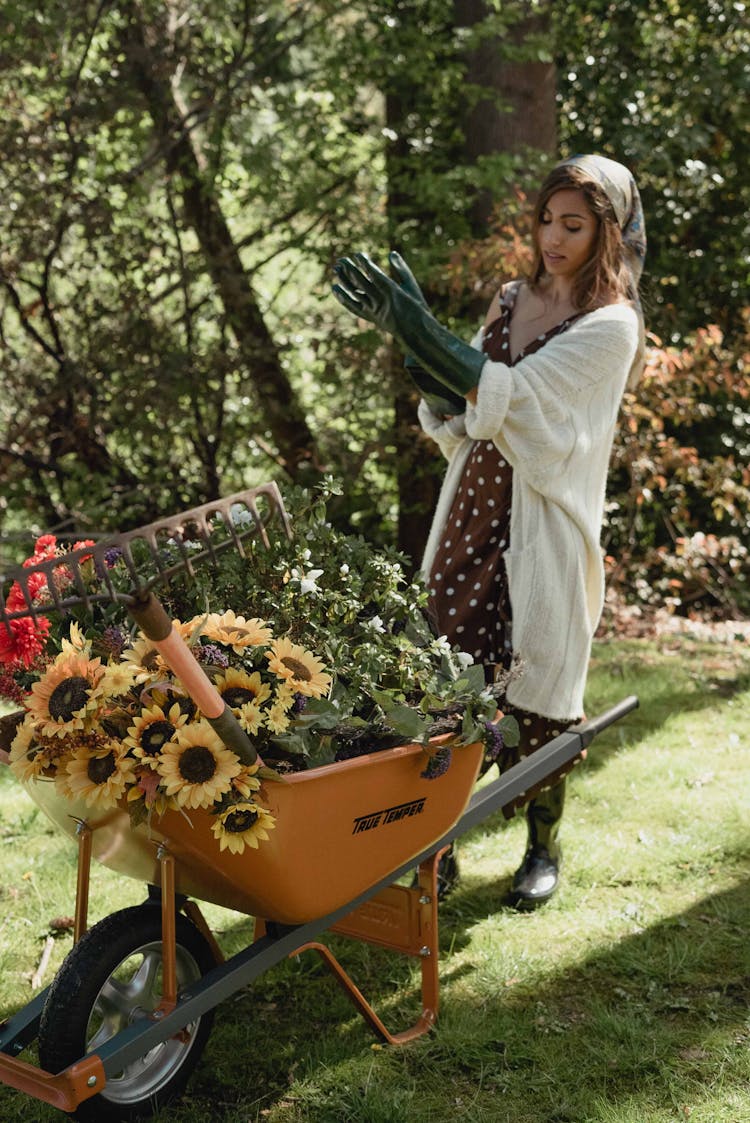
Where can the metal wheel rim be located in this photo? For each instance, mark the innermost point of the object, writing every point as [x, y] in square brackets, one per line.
[121, 1001]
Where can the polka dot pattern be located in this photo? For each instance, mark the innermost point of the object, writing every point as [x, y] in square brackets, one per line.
[468, 583]
[535, 732]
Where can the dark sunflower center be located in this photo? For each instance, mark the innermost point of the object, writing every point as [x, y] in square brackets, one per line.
[100, 768]
[236, 696]
[150, 659]
[299, 670]
[68, 697]
[238, 821]
[197, 764]
[187, 705]
[155, 736]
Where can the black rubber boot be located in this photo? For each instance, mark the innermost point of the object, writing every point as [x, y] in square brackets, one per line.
[447, 873]
[537, 877]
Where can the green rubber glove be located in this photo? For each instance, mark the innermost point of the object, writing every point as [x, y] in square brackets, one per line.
[367, 292]
[440, 400]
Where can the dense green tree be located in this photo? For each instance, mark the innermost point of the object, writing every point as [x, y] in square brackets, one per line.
[178, 180]
[664, 86]
[151, 196]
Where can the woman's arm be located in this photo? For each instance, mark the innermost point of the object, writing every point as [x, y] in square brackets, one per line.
[537, 408]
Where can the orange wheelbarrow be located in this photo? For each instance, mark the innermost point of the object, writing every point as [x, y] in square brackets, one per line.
[124, 1023]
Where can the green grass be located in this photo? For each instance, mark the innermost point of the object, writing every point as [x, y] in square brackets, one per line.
[624, 1000]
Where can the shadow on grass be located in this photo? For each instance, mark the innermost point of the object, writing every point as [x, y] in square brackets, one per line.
[650, 1019]
[665, 684]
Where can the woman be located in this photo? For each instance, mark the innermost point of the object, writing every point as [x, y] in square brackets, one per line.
[513, 559]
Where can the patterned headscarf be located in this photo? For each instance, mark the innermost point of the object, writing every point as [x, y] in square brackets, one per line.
[620, 188]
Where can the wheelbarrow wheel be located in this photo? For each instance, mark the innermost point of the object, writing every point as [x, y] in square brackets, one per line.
[112, 977]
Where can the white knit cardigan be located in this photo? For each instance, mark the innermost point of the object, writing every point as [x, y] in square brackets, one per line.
[552, 416]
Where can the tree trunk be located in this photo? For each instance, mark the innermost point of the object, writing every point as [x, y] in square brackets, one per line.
[150, 65]
[519, 109]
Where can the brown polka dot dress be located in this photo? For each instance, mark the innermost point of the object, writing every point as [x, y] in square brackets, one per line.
[468, 584]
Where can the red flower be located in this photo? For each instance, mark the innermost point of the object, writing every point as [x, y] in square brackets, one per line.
[21, 641]
[35, 582]
[80, 545]
[46, 547]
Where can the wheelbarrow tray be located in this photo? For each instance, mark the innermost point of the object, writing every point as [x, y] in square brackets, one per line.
[339, 829]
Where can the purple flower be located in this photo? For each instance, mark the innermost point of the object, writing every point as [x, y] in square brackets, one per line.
[348, 751]
[114, 640]
[211, 654]
[438, 764]
[112, 556]
[493, 742]
[300, 701]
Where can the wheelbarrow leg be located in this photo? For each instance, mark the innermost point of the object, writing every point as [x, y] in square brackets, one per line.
[84, 832]
[403, 919]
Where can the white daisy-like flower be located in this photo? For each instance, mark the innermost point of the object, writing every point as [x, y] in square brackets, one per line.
[377, 625]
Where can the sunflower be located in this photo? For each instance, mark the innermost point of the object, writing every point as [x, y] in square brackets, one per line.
[303, 671]
[100, 776]
[144, 658]
[196, 767]
[152, 730]
[246, 781]
[67, 694]
[190, 630]
[236, 632]
[165, 693]
[242, 824]
[27, 758]
[244, 694]
[62, 776]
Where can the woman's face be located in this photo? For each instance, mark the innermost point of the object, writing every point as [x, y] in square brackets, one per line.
[566, 232]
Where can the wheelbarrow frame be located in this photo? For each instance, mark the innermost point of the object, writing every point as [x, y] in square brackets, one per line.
[413, 931]
[401, 918]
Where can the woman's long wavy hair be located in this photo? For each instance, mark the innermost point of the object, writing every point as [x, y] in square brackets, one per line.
[605, 278]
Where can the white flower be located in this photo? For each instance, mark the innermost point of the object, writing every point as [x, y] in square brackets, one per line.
[464, 659]
[240, 515]
[307, 583]
[344, 570]
[377, 624]
[441, 644]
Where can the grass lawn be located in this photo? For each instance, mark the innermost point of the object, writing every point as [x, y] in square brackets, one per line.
[624, 1000]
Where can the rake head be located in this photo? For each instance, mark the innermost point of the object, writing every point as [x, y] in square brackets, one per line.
[150, 555]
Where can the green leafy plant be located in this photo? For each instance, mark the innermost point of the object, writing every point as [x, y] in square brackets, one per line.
[319, 646]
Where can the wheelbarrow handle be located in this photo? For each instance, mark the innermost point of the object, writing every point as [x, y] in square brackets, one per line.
[587, 730]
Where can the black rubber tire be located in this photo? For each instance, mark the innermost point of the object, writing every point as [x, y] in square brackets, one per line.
[111, 977]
